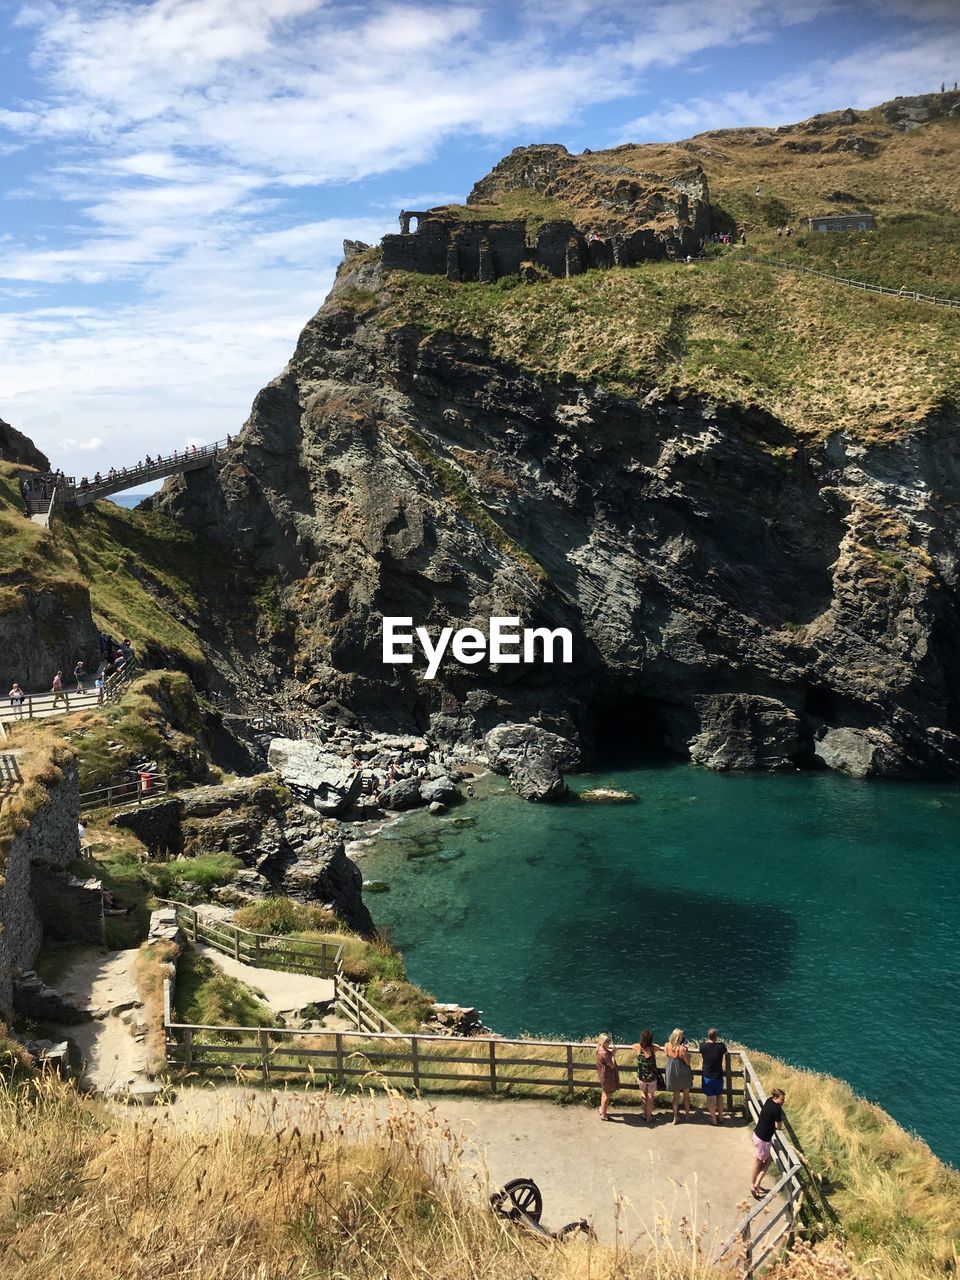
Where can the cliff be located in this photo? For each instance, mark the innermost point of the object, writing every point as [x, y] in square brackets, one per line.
[737, 490]
[736, 487]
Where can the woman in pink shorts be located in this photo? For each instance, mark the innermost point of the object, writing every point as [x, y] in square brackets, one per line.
[769, 1121]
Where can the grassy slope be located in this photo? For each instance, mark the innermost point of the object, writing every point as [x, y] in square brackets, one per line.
[817, 356]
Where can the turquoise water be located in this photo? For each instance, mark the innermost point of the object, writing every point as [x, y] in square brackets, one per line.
[812, 916]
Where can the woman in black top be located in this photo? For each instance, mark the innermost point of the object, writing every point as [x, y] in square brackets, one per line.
[769, 1120]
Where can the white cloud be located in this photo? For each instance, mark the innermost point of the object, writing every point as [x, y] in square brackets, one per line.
[72, 445]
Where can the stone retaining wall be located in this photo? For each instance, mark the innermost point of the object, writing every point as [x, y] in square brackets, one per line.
[51, 841]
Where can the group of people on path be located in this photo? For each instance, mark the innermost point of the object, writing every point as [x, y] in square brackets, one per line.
[677, 1079]
[113, 658]
[138, 468]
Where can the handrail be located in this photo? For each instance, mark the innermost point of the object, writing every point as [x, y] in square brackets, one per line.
[39, 705]
[323, 959]
[121, 793]
[130, 477]
[910, 294]
[791, 1164]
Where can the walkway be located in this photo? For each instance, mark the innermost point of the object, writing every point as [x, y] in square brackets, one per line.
[623, 1176]
[904, 293]
[192, 459]
[112, 1044]
[285, 993]
[38, 706]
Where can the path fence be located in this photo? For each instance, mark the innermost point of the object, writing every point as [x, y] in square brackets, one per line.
[909, 294]
[319, 959]
[144, 790]
[771, 1224]
[37, 706]
[191, 459]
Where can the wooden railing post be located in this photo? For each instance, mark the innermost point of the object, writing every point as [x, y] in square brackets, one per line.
[493, 1065]
[265, 1055]
[256, 950]
[415, 1057]
[236, 943]
[570, 1069]
[340, 1076]
[728, 1063]
[188, 1047]
[196, 916]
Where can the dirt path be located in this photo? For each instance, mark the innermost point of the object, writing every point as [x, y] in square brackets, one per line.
[103, 985]
[285, 993]
[623, 1176]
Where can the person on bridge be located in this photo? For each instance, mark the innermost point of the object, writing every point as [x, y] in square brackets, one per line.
[79, 671]
[16, 699]
[57, 688]
[768, 1122]
[609, 1073]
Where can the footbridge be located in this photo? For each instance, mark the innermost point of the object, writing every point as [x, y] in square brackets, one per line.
[87, 490]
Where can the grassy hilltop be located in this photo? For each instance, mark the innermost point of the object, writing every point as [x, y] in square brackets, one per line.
[818, 356]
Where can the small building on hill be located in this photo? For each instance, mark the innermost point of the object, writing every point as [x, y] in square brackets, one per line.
[842, 222]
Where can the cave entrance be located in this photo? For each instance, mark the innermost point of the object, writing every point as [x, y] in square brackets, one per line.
[630, 729]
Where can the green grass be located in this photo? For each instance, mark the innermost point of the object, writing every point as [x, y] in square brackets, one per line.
[157, 718]
[118, 860]
[208, 870]
[896, 1204]
[205, 995]
[279, 916]
[510, 206]
[819, 357]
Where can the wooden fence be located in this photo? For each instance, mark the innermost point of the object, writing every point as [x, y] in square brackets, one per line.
[769, 1226]
[398, 1059]
[36, 706]
[910, 294]
[262, 950]
[139, 792]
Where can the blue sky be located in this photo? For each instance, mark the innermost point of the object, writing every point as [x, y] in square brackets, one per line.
[178, 175]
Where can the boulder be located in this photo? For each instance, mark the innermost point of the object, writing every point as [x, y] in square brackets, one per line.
[404, 794]
[745, 731]
[846, 750]
[443, 790]
[333, 784]
[538, 777]
[507, 744]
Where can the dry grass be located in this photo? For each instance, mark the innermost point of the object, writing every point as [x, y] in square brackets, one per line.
[898, 1205]
[92, 1195]
[41, 755]
[155, 963]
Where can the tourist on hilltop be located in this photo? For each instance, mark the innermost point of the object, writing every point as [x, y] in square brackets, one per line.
[648, 1073]
[769, 1120]
[16, 699]
[609, 1073]
[126, 650]
[712, 1053]
[79, 671]
[98, 684]
[57, 688]
[679, 1076]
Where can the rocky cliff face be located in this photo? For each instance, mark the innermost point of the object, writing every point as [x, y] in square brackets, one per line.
[750, 601]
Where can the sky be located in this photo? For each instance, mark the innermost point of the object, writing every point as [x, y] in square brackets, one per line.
[177, 176]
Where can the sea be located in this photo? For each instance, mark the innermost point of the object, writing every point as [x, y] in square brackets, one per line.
[812, 916]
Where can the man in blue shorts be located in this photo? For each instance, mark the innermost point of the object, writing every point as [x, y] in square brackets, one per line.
[712, 1054]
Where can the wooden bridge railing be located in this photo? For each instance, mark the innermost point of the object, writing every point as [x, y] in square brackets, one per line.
[35, 706]
[769, 1225]
[140, 792]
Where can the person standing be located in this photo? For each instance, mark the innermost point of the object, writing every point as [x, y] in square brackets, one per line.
[648, 1074]
[712, 1053]
[57, 688]
[16, 699]
[679, 1076]
[79, 671]
[609, 1073]
[768, 1122]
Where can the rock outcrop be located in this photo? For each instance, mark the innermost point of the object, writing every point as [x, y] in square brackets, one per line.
[323, 777]
[532, 758]
[736, 591]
